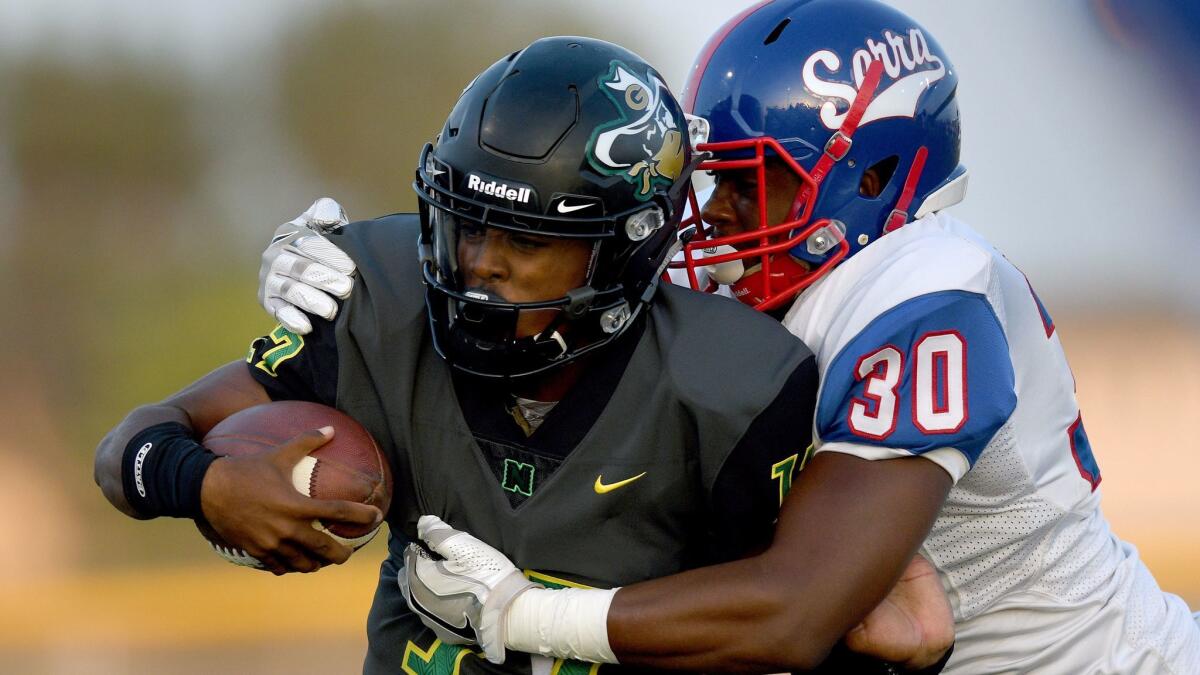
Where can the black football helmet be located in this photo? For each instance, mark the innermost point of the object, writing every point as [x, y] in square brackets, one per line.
[570, 137]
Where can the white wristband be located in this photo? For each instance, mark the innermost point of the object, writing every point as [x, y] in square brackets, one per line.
[564, 623]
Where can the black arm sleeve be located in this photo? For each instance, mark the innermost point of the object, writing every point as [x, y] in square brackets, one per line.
[297, 367]
[757, 474]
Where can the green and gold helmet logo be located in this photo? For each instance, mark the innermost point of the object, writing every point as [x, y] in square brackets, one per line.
[644, 146]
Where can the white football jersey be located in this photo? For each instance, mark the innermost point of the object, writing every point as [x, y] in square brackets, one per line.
[929, 342]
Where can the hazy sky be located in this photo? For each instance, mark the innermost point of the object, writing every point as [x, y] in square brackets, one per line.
[1082, 167]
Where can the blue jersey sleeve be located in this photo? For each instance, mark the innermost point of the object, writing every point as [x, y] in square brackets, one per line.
[932, 372]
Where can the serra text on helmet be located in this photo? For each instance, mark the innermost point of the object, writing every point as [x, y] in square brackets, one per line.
[907, 60]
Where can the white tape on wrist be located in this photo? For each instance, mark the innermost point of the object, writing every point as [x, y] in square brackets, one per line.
[563, 623]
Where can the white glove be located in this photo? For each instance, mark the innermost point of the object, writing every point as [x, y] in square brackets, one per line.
[465, 597]
[301, 269]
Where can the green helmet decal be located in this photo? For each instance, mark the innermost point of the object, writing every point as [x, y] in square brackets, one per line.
[644, 146]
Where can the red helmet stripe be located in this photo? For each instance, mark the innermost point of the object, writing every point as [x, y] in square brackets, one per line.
[693, 82]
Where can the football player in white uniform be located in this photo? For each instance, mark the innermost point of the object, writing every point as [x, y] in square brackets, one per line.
[835, 139]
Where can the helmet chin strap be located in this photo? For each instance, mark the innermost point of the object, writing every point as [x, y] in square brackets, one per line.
[547, 346]
[840, 142]
[899, 215]
[786, 272]
[726, 273]
[549, 343]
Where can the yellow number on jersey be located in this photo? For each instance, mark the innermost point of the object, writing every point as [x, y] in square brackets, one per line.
[287, 345]
[785, 469]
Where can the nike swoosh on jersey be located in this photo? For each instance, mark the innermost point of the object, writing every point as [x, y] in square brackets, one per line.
[563, 208]
[601, 488]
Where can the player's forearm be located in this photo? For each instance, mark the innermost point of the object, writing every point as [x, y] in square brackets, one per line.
[111, 451]
[198, 407]
[845, 534]
[744, 616]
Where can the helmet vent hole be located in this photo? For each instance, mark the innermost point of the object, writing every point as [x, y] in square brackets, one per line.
[452, 132]
[877, 176]
[512, 56]
[777, 32]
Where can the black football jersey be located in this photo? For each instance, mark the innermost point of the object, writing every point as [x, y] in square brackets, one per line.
[672, 451]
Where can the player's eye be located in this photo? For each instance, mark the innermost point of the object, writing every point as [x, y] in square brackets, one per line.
[471, 231]
[528, 243]
[739, 180]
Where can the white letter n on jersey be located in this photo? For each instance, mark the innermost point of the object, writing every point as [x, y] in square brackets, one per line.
[876, 417]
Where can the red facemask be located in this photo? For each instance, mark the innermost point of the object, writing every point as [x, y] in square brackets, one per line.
[775, 278]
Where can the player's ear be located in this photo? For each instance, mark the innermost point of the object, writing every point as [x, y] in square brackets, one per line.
[870, 186]
[877, 176]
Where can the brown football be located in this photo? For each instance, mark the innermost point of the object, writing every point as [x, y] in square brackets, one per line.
[350, 466]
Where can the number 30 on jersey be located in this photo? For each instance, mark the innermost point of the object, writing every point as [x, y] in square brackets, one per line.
[939, 381]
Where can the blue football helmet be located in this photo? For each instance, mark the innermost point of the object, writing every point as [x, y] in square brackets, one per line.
[830, 88]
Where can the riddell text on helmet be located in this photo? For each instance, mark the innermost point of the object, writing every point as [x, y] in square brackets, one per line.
[499, 190]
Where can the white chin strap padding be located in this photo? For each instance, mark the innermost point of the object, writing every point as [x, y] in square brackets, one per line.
[726, 273]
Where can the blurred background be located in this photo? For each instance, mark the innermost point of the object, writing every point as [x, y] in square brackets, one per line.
[149, 149]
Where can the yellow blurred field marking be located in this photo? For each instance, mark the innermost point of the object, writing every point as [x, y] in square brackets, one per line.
[187, 606]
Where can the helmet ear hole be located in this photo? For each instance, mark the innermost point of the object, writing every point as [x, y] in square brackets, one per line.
[877, 176]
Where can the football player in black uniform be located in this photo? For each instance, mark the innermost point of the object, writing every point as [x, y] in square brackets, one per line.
[511, 349]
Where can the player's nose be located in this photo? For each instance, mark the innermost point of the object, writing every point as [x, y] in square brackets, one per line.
[484, 259]
[718, 211]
